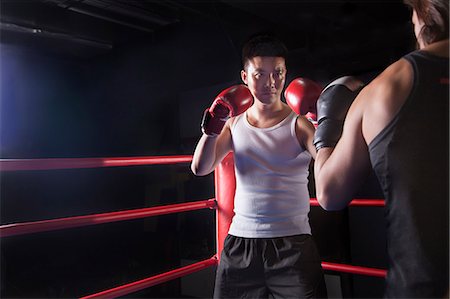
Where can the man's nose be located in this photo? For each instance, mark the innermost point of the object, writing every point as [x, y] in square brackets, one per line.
[271, 80]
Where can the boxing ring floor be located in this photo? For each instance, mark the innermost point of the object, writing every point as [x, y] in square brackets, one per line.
[221, 205]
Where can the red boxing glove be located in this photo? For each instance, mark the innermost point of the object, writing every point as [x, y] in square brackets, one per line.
[230, 102]
[301, 95]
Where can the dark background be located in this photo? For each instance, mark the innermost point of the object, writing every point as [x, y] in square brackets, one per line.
[98, 78]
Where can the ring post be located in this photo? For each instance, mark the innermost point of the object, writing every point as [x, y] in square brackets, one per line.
[225, 186]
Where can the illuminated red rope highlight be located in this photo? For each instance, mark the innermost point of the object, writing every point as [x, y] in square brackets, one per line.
[154, 280]
[70, 163]
[77, 221]
[362, 202]
[354, 269]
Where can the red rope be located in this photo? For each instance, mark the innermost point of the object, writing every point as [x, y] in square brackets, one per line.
[360, 202]
[354, 269]
[77, 221]
[154, 280]
[70, 163]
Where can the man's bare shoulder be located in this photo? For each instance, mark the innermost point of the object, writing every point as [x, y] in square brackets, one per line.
[383, 98]
[231, 122]
[391, 86]
[393, 79]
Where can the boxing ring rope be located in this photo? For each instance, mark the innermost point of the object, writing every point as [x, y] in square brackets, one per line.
[354, 269]
[154, 280]
[223, 204]
[78, 221]
[360, 202]
[71, 163]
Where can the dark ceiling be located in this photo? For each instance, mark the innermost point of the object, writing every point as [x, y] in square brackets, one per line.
[369, 33]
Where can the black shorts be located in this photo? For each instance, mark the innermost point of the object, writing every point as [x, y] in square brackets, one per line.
[285, 267]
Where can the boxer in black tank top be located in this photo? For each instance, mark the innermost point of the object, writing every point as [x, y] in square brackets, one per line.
[410, 158]
[399, 126]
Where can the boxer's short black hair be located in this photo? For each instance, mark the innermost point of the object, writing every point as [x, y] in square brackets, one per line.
[263, 45]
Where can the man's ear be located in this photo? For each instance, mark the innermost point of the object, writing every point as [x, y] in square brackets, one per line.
[244, 77]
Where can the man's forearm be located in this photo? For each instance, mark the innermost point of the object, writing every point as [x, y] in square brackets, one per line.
[320, 176]
[204, 155]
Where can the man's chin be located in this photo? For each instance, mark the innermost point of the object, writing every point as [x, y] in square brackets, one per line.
[269, 98]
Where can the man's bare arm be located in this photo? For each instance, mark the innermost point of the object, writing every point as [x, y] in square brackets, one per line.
[210, 151]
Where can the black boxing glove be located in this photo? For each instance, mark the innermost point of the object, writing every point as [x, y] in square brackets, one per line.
[332, 107]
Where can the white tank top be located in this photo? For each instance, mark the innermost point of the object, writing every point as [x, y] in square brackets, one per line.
[272, 198]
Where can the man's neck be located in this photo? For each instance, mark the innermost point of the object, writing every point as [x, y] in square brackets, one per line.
[266, 115]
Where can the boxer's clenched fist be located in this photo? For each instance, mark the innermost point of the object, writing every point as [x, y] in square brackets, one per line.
[230, 102]
[332, 107]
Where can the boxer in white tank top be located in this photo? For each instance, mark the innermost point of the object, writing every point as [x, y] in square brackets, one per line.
[269, 251]
[272, 198]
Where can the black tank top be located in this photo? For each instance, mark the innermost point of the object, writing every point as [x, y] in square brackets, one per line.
[411, 159]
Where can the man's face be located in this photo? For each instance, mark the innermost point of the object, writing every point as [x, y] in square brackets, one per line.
[265, 77]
